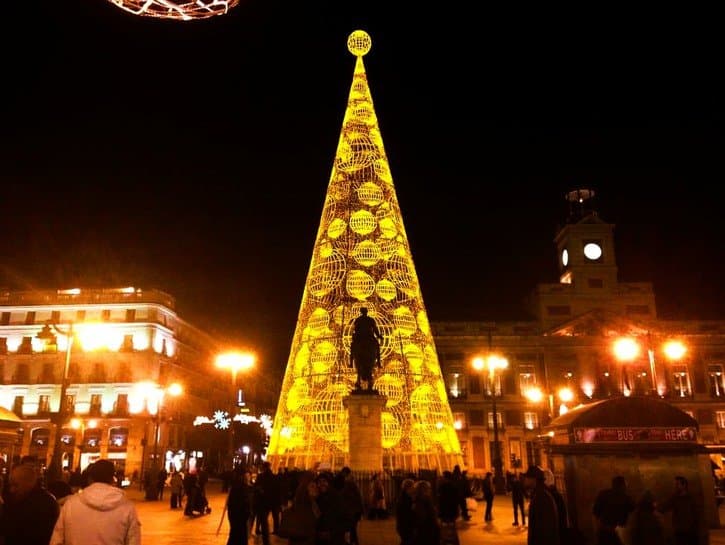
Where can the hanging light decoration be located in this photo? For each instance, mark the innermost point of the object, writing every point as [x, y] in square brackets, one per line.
[184, 10]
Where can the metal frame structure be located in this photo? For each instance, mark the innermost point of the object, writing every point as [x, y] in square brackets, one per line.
[362, 258]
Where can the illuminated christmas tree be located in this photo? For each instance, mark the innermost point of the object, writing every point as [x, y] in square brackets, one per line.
[362, 258]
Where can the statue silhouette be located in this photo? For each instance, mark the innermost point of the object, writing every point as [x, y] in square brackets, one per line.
[365, 348]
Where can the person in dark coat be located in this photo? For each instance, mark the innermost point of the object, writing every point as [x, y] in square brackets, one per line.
[404, 516]
[239, 509]
[351, 501]
[447, 498]
[331, 525]
[266, 498]
[427, 529]
[685, 513]
[612, 507]
[29, 511]
[517, 499]
[543, 516]
[488, 496]
[462, 486]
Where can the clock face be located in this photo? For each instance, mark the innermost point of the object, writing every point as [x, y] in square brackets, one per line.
[592, 251]
[565, 257]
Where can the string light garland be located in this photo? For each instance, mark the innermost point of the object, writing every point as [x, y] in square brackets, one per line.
[180, 10]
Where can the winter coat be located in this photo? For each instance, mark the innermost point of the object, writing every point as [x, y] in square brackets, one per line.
[100, 514]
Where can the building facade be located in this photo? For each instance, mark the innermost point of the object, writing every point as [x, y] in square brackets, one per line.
[592, 337]
[130, 350]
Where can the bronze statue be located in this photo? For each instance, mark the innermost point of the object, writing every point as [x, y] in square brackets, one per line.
[365, 348]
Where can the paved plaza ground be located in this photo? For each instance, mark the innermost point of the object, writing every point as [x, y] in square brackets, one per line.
[162, 526]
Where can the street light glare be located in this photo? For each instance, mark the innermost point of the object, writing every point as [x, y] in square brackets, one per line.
[534, 394]
[175, 389]
[566, 395]
[674, 350]
[626, 349]
[235, 360]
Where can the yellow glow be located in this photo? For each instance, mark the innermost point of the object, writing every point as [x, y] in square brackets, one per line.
[626, 349]
[674, 350]
[98, 337]
[563, 409]
[235, 361]
[93, 424]
[565, 278]
[479, 364]
[141, 341]
[76, 423]
[566, 395]
[457, 425]
[175, 389]
[182, 10]
[362, 258]
[535, 395]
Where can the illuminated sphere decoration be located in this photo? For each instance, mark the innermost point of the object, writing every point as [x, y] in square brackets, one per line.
[180, 10]
[359, 43]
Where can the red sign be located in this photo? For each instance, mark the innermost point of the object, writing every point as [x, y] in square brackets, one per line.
[634, 435]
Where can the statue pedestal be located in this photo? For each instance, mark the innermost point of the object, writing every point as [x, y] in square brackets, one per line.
[365, 430]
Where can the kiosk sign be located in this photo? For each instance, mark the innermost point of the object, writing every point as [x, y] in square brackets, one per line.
[635, 435]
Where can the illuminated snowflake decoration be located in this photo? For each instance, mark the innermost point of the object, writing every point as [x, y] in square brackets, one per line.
[182, 10]
[222, 420]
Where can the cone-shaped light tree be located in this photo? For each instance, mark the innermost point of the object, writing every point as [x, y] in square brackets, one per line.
[362, 258]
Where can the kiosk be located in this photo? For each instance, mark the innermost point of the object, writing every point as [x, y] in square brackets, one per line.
[643, 439]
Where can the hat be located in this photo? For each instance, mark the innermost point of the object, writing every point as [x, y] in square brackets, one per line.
[535, 472]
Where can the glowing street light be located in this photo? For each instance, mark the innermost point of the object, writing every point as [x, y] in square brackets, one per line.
[234, 362]
[494, 363]
[534, 394]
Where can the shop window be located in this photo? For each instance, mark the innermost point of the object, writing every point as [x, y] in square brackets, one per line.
[456, 385]
[499, 420]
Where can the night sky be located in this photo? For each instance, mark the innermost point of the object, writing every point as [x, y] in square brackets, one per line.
[194, 157]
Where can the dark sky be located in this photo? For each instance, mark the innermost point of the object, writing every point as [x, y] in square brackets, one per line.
[194, 157]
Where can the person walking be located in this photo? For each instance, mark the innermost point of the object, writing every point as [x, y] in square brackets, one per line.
[685, 513]
[404, 515]
[488, 496]
[351, 501]
[238, 508]
[517, 499]
[176, 487]
[100, 514]
[463, 490]
[543, 516]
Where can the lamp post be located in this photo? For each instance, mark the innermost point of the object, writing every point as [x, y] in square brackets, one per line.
[175, 390]
[234, 362]
[493, 363]
[55, 469]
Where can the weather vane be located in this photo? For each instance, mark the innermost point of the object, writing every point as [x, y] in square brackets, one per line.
[184, 10]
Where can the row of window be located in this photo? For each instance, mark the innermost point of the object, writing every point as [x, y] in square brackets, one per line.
[120, 406]
[459, 385]
[48, 375]
[30, 316]
[530, 420]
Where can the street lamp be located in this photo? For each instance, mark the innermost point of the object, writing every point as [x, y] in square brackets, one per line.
[234, 362]
[175, 390]
[494, 363]
[626, 350]
[55, 469]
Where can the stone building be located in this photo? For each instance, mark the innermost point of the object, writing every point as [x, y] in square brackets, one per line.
[130, 347]
[592, 337]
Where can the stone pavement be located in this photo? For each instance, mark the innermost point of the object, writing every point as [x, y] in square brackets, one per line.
[162, 526]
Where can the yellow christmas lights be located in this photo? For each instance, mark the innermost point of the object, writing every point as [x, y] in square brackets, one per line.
[362, 258]
[182, 10]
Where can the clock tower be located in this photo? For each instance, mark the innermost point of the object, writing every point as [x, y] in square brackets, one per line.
[585, 246]
[588, 271]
